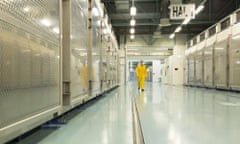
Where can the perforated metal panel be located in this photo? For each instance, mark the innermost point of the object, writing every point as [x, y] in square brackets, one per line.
[191, 69]
[96, 44]
[199, 67]
[104, 60]
[208, 66]
[234, 63]
[220, 59]
[29, 58]
[186, 70]
[78, 45]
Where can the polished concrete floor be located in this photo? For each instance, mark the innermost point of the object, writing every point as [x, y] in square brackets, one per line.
[106, 121]
[185, 115]
[168, 115]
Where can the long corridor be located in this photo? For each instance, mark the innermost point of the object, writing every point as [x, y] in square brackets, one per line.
[168, 115]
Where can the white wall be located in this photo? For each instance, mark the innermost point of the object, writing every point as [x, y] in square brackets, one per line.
[157, 66]
[174, 65]
[146, 44]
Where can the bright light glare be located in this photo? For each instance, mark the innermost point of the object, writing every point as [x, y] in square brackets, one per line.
[133, 11]
[219, 48]
[26, 9]
[178, 29]
[172, 36]
[105, 31]
[95, 11]
[133, 22]
[199, 9]
[56, 30]
[236, 37]
[132, 36]
[186, 21]
[132, 30]
[46, 22]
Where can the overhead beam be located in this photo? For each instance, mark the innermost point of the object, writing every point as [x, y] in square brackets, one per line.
[124, 24]
[124, 16]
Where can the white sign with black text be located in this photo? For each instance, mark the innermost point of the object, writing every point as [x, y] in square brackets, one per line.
[182, 11]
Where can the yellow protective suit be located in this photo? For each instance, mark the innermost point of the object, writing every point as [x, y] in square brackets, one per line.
[141, 73]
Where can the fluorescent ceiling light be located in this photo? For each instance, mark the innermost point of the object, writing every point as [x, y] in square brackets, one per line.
[186, 21]
[132, 36]
[133, 11]
[132, 30]
[133, 22]
[178, 29]
[172, 36]
[199, 9]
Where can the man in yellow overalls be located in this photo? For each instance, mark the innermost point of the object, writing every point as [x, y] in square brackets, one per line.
[141, 73]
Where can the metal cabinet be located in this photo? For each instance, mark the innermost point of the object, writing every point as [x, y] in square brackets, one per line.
[234, 58]
[208, 53]
[199, 64]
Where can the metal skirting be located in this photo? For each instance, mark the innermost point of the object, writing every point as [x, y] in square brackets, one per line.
[137, 129]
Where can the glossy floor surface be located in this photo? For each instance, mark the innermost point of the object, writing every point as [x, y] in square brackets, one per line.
[184, 115]
[168, 115]
[106, 121]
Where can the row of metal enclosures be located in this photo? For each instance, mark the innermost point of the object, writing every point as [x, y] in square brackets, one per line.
[213, 57]
[54, 55]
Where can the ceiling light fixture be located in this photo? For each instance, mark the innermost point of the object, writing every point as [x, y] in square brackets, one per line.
[199, 9]
[133, 22]
[133, 11]
[186, 21]
[178, 29]
[132, 30]
[132, 36]
[172, 36]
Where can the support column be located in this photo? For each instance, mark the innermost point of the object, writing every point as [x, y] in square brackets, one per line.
[122, 61]
[101, 56]
[66, 58]
[108, 61]
[89, 54]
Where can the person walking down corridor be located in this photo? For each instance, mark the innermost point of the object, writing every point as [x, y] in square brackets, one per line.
[141, 73]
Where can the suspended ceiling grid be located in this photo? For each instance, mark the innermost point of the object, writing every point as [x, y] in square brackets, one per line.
[149, 13]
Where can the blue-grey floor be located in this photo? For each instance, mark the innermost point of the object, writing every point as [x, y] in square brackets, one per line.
[168, 115]
[184, 115]
[107, 121]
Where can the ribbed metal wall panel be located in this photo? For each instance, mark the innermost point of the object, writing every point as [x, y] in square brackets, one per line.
[96, 44]
[78, 46]
[29, 58]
